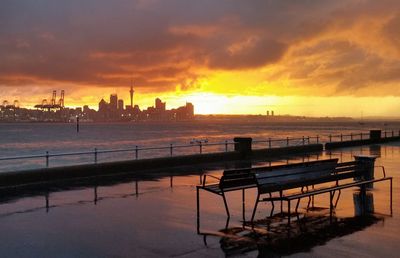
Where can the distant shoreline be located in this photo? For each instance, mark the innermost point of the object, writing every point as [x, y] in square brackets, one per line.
[257, 119]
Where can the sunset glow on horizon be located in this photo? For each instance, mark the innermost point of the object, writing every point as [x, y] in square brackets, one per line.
[311, 58]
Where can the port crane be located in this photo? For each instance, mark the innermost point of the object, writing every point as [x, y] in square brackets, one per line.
[7, 105]
[53, 105]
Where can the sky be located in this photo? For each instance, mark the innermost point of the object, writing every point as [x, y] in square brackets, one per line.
[312, 58]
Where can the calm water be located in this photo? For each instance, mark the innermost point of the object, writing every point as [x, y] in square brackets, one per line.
[36, 139]
[154, 218]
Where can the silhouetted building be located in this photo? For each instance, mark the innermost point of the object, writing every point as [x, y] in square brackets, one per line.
[103, 106]
[86, 109]
[160, 106]
[113, 101]
[185, 112]
[189, 110]
[103, 113]
[120, 105]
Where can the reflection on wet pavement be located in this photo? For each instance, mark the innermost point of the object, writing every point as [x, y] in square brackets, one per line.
[155, 216]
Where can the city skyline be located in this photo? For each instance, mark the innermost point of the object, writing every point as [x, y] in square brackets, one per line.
[311, 58]
[55, 110]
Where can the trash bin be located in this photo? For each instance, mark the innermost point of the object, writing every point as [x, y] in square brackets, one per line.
[243, 145]
[375, 134]
[368, 164]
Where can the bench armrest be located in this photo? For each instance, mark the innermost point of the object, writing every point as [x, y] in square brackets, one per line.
[383, 170]
[205, 176]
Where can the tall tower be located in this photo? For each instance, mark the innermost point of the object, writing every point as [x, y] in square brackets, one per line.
[131, 93]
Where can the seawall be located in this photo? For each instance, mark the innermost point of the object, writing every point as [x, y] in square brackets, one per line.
[28, 177]
[343, 144]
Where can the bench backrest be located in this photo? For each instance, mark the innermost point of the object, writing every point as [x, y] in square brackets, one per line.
[352, 169]
[291, 175]
[237, 178]
[287, 174]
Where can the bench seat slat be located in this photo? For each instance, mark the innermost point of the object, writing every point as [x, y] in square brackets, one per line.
[285, 178]
[325, 190]
[271, 187]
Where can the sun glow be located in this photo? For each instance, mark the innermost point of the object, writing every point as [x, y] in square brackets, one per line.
[210, 103]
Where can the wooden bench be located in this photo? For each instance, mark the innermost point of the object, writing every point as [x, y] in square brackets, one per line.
[231, 180]
[242, 179]
[312, 179]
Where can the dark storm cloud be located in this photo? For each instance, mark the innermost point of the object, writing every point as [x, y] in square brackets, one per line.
[164, 43]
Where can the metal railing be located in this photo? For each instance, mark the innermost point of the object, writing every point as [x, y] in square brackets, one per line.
[286, 142]
[359, 136]
[204, 145]
[135, 151]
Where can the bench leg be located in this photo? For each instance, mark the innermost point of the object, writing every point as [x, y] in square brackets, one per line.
[226, 205]
[255, 208]
[205, 240]
[288, 212]
[337, 200]
[95, 195]
[227, 222]
[297, 205]
[308, 204]
[243, 205]
[330, 206]
[273, 206]
[391, 197]
[198, 210]
[46, 196]
[312, 198]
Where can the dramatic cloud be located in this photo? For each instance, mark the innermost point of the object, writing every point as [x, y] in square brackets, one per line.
[323, 48]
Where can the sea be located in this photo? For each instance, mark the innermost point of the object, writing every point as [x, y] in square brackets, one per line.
[155, 139]
[155, 216]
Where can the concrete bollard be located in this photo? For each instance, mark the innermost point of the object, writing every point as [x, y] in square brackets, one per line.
[243, 145]
[368, 164]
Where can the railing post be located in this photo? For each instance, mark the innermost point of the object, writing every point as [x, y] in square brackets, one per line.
[392, 133]
[341, 137]
[170, 149]
[317, 139]
[201, 147]
[287, 141]
[47, 159]
[351, 136]
[303, 140]
[95, 155]
[136, 152]
[330, 138]
[361, 134]
[226, 146]
[270, 144]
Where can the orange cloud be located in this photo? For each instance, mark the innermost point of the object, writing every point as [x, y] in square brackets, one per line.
[244, 48]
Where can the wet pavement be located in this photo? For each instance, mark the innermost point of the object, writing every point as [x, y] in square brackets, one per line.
[156, 217]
